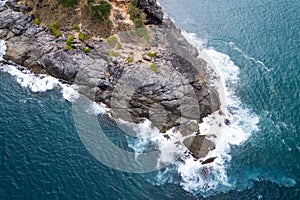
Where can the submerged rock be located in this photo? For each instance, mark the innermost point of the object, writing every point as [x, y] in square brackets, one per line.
[209, 160]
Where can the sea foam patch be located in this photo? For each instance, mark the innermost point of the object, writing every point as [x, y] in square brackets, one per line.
[40, 83]
[37, 82]
[194, 177]
[212, 178]
[2, 3]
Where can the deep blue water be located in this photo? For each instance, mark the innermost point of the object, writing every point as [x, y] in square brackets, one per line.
[42, 156]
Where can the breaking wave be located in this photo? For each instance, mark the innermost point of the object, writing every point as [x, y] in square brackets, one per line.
[187, 171]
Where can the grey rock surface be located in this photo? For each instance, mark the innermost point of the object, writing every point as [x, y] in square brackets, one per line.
[174, 95]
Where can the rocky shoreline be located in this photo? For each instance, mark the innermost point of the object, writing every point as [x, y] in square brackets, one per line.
[162, 79]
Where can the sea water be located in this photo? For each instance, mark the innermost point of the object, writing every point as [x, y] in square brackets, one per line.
[255, 47]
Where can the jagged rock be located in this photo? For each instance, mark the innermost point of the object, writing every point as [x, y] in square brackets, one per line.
[153, 11]
[227, 122]
[188, 128]
[199, 145]
[147, 58]
[176, 94]
[209, 160]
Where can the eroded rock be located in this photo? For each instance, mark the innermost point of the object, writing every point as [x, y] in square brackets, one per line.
[173, 94]
[199, 145]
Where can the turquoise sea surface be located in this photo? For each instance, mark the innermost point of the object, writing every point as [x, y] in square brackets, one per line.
[257, 44]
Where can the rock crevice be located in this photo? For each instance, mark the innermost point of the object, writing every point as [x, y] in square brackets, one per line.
[170, 88]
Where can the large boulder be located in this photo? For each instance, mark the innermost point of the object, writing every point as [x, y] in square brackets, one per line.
[199, 145]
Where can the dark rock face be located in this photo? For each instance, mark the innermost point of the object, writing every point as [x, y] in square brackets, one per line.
[199, 145]
[152, 10]
[174, 95]
[209, 160]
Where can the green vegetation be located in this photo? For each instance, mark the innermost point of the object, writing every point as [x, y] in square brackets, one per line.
[55, 29]
[135, 14]
[119, 45]
[154, 67]
[152, 54]
[69, 47]
[113, 54]
[112, 40]
[76, 27]
[37, 21]
[22, 11]
[143, 33]
[86, 50]
[137, 18]
[102, 10]
[70, 40]
[129, 59]
[82, 36]
[67, 3]
[91, 1]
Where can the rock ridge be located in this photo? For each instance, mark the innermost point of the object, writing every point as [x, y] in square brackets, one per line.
[162, 80]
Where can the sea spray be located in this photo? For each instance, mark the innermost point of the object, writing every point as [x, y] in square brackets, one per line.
[37, 82]
[212, 178]
[191, 171]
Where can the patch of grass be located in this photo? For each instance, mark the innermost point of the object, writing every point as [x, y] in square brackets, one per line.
[152, 54]
[119, 45]
[154, 67]
[37, 21]
[137, 19]
[129, 59]
[82, 36]
[76, 27]
[56, 33]
[91, 1]
[67, 3]
[68, 47]
[135, 14]
[143, 32]
[56, 24]
[23, 11]
[112, 40]
[55, 29]
[113, 54]
[70, 40]
[138, 23]
[86, 50]
[102, 10]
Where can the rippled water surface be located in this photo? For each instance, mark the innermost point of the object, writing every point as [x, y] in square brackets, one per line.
[42, 156]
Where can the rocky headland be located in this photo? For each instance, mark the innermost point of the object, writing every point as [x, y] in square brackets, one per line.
[122, 53]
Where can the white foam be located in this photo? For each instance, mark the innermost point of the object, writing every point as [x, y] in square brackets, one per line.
[40, 83]
[69, 92]
[2, 49]
[37, 82]
[194, 177]
[245, 55]
[191, 171]
[2, 3]
[97, 108]
[212, 178]
[169, 147]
